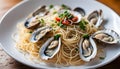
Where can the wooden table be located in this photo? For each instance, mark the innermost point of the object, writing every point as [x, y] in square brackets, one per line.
[6, 62]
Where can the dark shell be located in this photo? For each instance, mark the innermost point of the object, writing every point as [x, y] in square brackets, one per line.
[93, 48]
[80, 10]
[40, 10]
[52, 52]
[28, 21]
[37, 32]
[97, 15]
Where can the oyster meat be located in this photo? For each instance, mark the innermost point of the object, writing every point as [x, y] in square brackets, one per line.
[96, 18]
[39, 33]
[87, 48]
[50, 48]
[33, 21]
[107, 36]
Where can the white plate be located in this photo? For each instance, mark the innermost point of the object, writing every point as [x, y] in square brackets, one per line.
[23, 9]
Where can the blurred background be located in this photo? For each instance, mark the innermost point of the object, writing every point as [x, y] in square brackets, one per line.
[114, 4]
[7, 62]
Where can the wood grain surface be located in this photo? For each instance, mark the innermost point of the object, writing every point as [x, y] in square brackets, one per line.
[6, 62]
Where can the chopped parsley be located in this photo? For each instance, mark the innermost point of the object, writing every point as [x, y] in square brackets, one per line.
[65, 7]
[61, 15]
[51, 6]
[52, 25]
[86, 36]
[82, 24]
[54, 12]
[61, 25]
[102, 58]
[76, 49]
[30, 32]
[56, 37]
[66, 14]
[42, 21]
[70, 16]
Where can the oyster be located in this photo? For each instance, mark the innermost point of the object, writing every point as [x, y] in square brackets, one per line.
[33, 21]
[87, 48]
[39, 33]
[107, 36]
[50, 48]
[96, 18]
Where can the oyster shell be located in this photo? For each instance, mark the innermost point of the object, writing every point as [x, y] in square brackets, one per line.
[41, 11]
[78, 15]
[33, 21]
[87, 48]
[80, 10]
[39, 33]
[107, 36]
[96, 18]
[50, 48]
[74, 13]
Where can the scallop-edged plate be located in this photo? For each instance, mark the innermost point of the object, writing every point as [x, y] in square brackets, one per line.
[19, 12]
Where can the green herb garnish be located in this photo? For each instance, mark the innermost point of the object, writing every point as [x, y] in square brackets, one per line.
[76, 49]
[52, 25]
[61, 15]
[30, 32]
[61, 25]
[51, 6]
[82, 24]
[85, 36]
[54, 12]
[66, 14]
[56, 37]
[65, 7]
[42, 21]
[102, 58]
[70, 16]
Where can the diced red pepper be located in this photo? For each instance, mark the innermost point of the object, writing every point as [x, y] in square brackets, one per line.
[57, 19]
[65, 22]
[74, 19]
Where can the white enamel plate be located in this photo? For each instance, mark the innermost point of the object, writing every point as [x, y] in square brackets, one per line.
[23, 9]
